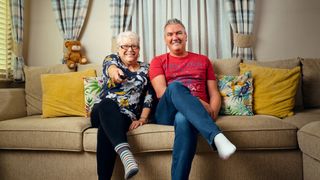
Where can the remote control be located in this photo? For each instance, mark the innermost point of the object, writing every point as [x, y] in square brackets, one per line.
[123, 77]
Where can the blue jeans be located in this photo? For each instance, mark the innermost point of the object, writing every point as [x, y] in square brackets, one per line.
[180, 108]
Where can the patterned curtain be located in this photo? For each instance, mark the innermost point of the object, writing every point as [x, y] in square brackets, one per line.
[17, 8]
[121, 18]
[241, 16]
[70, 16]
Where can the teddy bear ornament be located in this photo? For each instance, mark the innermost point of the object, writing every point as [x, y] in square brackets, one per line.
[73, 54]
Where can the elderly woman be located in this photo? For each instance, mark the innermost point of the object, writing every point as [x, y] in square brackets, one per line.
[124, 105]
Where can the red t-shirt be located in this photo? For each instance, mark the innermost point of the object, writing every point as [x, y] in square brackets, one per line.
[193, 71]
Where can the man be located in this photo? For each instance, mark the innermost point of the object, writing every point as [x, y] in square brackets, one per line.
[188, 99]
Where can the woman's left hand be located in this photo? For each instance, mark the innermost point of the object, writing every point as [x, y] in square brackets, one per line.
[136, 124]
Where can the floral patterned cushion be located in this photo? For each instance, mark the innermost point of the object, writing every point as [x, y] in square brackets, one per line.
[236, 93]
[92, 89]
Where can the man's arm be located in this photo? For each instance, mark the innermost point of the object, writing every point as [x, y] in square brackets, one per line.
[215, 98]
[159, 84]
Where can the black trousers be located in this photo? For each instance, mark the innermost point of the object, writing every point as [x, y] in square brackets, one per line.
[112, 130]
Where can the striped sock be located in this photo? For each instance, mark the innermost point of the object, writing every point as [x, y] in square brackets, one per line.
[128, 161]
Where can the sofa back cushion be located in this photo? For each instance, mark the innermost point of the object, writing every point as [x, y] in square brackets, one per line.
[63, 94]
[311, 82]
[95, 66]
[283, 64]
[33, 85]
[226, 66]
[274, 89]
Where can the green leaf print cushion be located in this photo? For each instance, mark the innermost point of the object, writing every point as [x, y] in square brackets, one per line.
[92, 89]
[236, 94]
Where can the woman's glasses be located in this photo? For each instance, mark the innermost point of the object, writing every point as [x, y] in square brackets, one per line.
[126, 47]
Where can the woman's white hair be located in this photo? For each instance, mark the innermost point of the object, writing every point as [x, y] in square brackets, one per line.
[127, 35]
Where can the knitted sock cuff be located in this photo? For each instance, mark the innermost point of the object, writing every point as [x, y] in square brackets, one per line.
[122, 146]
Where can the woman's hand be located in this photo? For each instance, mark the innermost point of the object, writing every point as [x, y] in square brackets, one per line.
[115, 74]
[136, 124]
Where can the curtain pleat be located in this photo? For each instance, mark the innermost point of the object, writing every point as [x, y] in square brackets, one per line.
[205, 22]
[241, 17]
[121, 18]
[17, 9]
[70, 17]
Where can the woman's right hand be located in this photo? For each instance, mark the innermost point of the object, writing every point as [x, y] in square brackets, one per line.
[115, 74]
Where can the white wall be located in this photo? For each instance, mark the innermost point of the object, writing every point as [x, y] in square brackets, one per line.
[283, 28]
[45, 42]
[287, 28]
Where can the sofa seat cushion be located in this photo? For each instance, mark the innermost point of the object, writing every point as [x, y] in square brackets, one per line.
[36, 133]
[303, 117]
[309, 139]
[148, 138]
[246, 132]
[259, 132]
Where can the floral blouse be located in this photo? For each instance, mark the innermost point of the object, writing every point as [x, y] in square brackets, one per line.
[131, 95]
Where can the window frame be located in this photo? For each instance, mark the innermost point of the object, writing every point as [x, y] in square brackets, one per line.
[6, 43]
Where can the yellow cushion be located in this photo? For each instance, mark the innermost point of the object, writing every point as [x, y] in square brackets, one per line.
[274, 89]
[63, 94]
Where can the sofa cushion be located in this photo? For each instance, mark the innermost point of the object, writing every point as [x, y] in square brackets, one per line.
[274, 89]
[13, 103]
[92, 89]
[236, 94]
[33, 85]
[311, 82]
[96, 66]
[226, 66]
[309, 139]
[140, 139]
[63, 94]
[283, 64]
[259, 132]
[246, 132]
[303, 117]
[35, 133]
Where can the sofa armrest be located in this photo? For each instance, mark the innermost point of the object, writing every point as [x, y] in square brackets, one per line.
[12, 103]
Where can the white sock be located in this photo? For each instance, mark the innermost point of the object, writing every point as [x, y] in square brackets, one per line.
[224, 146]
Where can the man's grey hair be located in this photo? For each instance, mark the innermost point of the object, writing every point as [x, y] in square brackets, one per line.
[173, 21]
[127, 35]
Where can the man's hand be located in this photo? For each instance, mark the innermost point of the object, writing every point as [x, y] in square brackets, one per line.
[116, 74]
[209, 109]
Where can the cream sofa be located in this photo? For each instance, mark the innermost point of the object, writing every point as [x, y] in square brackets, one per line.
[38, 148]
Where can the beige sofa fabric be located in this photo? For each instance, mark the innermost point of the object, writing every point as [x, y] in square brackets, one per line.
[246, 132]
[12, 103]
[258, 132]
[141, 139]
[309, 139]
[311, 168]
[33, 85]
[97, 67]
[280, 63]
[311, 82]
[304, 117]
[35, 133]
[47, 165]
[226, 66]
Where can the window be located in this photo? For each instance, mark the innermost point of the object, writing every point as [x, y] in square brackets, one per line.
[5, 41]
